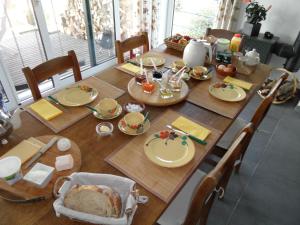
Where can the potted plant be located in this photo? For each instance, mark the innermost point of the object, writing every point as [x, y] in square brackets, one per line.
[255, 13]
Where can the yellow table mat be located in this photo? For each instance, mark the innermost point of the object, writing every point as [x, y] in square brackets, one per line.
[25, 149]
[45, 109]
[130, 67]
[237, 82]
[191, 127]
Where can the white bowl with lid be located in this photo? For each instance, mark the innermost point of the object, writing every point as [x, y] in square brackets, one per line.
[10, 169]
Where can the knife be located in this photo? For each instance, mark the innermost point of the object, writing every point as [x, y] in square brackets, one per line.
[189, 135]
[133, 62]
[41, 152]
[55, 101]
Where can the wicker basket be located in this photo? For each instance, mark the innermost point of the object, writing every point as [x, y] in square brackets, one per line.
[179, 47]
[293, 92]
[174, 45]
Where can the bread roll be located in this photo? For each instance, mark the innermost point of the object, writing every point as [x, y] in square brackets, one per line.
[94, 199]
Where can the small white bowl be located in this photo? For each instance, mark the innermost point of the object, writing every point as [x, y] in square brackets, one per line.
[63, 144]
[104, 128]
[39, 175]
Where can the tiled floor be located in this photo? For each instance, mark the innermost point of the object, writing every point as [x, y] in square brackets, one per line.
[267, 189]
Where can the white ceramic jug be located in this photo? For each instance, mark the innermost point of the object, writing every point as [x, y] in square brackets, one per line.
[195, 52]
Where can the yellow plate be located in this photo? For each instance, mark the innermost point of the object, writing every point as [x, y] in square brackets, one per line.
[157, 59]
[74, 96]
[230, 93]
[172, 151]
[127, 130]
[115, 115]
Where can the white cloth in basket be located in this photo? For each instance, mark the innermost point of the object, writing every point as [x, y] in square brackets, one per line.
[122, 185]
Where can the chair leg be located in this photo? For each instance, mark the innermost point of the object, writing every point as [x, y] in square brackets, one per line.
[238, 163]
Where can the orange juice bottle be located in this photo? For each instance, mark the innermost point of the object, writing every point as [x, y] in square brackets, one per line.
[235, 43]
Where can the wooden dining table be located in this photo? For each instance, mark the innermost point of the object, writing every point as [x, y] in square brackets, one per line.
[95, 149]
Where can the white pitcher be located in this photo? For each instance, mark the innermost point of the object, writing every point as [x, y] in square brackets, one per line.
[195, 52]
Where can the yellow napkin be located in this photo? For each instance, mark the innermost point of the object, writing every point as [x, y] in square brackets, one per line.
[25, 149]
[130, 67]
[237, 82]
[190, 127]
[45, 109]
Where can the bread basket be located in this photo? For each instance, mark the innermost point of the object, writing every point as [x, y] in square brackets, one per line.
[290, 94]
[124, 186]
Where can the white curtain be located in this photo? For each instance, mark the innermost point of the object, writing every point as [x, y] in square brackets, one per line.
[228, 15]
[140, 15]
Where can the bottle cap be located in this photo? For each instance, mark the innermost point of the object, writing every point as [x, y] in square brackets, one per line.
[237, 35]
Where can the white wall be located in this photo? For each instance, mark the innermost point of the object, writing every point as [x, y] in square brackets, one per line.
[283, 19]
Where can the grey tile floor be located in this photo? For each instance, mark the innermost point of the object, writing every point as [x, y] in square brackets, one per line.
[267, 189]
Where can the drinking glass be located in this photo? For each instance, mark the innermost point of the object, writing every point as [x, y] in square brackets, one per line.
[148, 87]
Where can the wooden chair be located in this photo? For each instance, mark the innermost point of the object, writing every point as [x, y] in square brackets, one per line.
[239, 123]
[50, 68]
[194, 201]
[130, 44]
[220, 33]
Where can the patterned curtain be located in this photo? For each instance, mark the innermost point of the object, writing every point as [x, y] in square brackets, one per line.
[140, 15]
[228, 14]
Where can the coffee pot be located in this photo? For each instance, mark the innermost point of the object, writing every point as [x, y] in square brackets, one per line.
[195, 53]
[8, 122]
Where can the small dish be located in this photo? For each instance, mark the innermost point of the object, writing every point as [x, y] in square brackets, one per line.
[199, 71]
[177, 65]
[224, 70]
[104, 128]
[107, 107]
[39, 175]
[203, 77]
[134, 107]
[133, 119]
[110, 117]
[127, 130]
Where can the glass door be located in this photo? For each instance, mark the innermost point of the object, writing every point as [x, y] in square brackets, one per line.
[33, 31]
[20, 46]
[85, 26]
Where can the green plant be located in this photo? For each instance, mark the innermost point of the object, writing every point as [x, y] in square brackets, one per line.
[255, 12]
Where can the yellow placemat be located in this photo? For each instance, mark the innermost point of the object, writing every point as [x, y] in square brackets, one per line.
[190, 127]
[130, 67]
[237, 82]
[45, 109]
[24, 150]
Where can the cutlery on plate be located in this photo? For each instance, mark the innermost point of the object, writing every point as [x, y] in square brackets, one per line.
[92, 109]
[55, 101]
[189, 135]
[133, 62]
[141, 128]
[41, 152]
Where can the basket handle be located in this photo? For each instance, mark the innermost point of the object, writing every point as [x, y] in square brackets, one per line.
[56, 185]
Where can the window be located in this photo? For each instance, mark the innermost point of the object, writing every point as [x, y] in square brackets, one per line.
[193, 17]
[35, 31]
